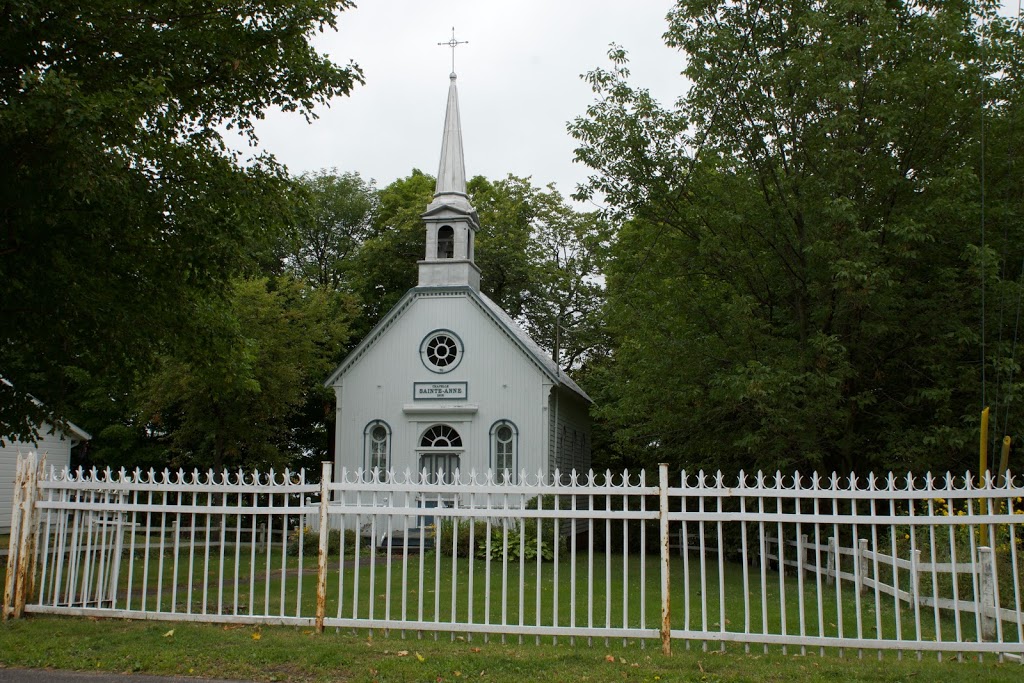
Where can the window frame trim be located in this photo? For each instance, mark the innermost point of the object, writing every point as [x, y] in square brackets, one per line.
[368, 445]
[492, 441]
[439, 449]
[459, 344]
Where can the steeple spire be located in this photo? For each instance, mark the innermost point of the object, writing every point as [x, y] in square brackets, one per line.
[451, 173]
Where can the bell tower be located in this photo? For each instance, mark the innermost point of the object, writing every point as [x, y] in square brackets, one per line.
[451, 221]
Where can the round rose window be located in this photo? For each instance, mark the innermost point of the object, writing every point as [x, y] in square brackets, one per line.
[441, 351]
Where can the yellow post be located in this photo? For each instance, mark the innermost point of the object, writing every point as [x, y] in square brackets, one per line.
[1004, 461]
[1004, 465]
[982, 468]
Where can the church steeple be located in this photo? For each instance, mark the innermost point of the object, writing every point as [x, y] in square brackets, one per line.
[451, 221]
[451, 173]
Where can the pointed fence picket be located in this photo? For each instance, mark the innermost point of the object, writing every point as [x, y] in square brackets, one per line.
[785, 561]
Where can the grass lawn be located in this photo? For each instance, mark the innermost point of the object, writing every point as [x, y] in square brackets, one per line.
[594, 590]
[299, 654]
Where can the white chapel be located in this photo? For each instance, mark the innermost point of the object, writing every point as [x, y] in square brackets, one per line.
[447, 380]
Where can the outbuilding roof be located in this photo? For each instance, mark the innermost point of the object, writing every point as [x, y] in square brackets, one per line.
[72, 430]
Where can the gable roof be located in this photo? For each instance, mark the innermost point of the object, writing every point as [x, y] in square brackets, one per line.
[538, 354]
[493, 310]
[77, 432]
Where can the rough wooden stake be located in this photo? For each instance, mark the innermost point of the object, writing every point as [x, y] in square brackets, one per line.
[321, 558]
[12, 548]
[666, 623]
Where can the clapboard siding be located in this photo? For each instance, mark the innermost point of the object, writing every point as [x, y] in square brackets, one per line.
[503, 381]
[569, 441]
[57, 449]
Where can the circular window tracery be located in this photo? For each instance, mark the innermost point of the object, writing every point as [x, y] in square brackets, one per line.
[441, 351]
[441, 436]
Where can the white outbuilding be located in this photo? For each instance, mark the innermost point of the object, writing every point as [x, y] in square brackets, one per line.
[54, 443]
[447, 380]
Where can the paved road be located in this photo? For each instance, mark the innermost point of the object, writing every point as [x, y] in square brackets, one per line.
[48, 676]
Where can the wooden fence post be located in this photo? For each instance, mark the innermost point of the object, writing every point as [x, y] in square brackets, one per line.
[115, 558]
[23, 538]
[32, 515]
[321, 556]
[830, 561]
[915, 577]
[666, 623]
[768, 557]
[987, 584]
[25, 543]
[12, 548]
[861, 566]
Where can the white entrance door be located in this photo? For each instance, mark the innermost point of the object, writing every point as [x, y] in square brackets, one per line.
[438, 465]
[440, 468]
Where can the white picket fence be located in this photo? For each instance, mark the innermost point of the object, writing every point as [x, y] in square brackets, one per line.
[882, 564]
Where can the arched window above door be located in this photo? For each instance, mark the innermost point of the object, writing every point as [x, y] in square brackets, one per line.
[441, 436]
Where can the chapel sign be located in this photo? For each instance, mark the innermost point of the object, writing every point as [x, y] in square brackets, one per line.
[440, 390]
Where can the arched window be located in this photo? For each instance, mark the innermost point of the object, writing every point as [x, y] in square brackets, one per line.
[441, 436]
[504, 450]
[445, 242]
[377, 445]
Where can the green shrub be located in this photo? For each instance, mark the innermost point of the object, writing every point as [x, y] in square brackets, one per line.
[515, 544]
[518, 529]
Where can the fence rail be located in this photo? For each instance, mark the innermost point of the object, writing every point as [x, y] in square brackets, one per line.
[911, 564]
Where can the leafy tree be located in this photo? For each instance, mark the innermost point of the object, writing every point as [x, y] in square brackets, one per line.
[508, 211]
[257, 359]
[563, 302]
[334, 216]
[108, 407]
[384, 267]
[541, 261]
[121, 204]
[797, 279]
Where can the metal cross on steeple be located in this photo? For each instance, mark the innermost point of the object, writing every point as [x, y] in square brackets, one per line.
[452, 44]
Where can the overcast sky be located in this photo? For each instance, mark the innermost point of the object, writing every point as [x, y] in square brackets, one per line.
[518, 79]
